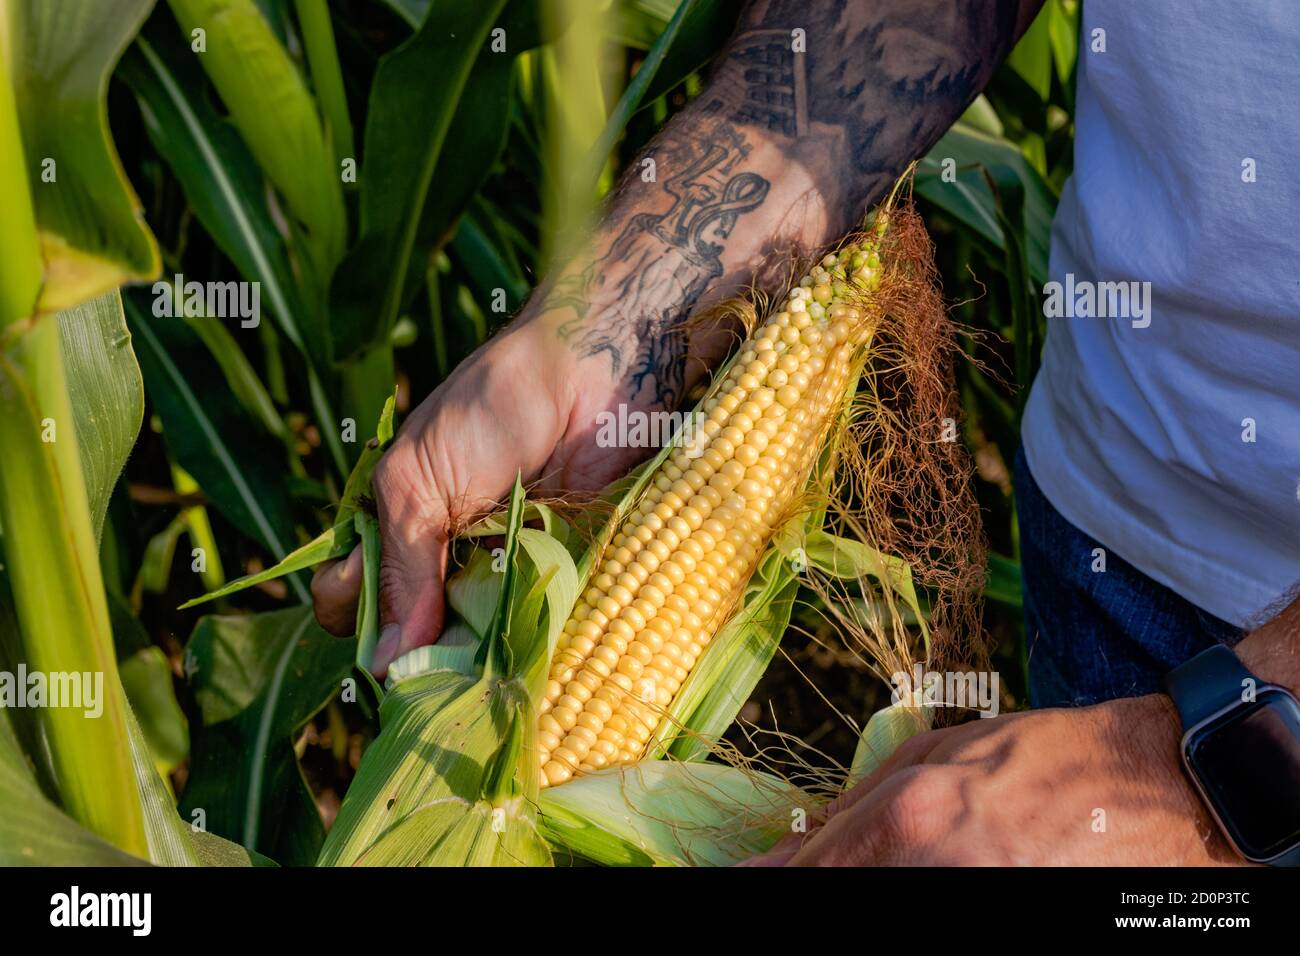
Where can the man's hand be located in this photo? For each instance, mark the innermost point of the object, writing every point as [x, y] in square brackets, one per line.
[1096, 786]
[518, 404]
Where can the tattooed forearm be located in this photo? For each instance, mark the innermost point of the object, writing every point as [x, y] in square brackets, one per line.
[863, 87]
[659, 264]
[808, 117]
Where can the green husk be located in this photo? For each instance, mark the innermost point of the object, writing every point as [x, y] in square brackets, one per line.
[668, 813]
[449, 779]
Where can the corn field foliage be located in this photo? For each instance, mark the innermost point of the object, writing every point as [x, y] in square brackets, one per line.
[394, 180]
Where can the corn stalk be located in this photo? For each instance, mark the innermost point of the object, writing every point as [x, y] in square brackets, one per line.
[50, 548]
[53, 566]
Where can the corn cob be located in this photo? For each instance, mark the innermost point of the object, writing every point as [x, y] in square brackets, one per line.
[669, 578]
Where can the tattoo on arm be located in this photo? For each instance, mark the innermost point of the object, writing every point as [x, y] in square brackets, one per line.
[873, 86]
[877, 82]
[660, 264]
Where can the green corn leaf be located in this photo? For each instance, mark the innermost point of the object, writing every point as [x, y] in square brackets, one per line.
[1032, 55]
[846, 558]
[154, 574]
[147, 679]
[485, 267]
[981, 116]
[21, 262]
[274, 112]
[478, 131]
[474, 591]
[456, 650]
[239, 374]
[366, 382]
[1003, 581]
[403, 142]
[33, 830]
[93, 237]
[634, 95]
[534, 511]
[441, 732]
[168, 836]
[173, 841]
[495, 651]
[358, 484]
[220, 178]
[412, 11]
[326, 75]
[224, 186]
[257, 679]
[703, 35]
[1064, 30]
[558, 576]
[51, 559]
[471, 834]
[212, 437]
[337, 542]
[199, 529]
[367, 529]
[106, 392]
[970, 200]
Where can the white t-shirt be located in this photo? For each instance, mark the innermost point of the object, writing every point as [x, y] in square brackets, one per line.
[1177, 443]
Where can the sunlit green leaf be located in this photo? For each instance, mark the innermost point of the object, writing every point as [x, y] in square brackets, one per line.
[106, 391]
[970, 200]
[211, 436]
[275, 113]
[92, 235]
[403, 141]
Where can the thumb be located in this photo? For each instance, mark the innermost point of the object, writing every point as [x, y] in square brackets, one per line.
[413, 539]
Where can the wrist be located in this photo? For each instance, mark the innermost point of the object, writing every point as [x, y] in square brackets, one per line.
[1272, 652]
[1154, 733]
[1149, 736]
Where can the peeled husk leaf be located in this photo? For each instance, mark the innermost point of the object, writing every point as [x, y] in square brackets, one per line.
[669, 813]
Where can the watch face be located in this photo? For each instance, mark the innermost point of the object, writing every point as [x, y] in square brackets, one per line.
[1248, 762]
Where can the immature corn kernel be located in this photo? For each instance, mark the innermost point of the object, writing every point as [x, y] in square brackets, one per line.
[670, 576]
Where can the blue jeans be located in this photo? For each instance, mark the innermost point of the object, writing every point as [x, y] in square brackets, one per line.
[1095, 635]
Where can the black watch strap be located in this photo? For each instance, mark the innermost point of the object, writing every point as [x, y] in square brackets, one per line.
[1289, 859]
[1206, 684]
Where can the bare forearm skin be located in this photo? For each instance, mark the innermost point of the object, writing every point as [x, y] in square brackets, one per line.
[782, 152]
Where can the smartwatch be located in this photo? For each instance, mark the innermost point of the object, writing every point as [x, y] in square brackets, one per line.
[1241, 747]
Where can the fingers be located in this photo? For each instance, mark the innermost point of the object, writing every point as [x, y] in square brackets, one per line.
[907, 820]
[335, 589]
[862, 835]
[411, 603]
[779, 855]
[413, 540]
